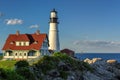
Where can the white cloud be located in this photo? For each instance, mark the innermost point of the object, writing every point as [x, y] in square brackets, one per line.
[97, 43]
[13, 21]
[97, 46]
[34, 26]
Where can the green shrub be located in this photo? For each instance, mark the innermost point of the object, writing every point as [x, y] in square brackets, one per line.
[12, 75]
[63, 74]
[22, 68]
[21, 64]
[3, 73]
[25, 72]
[47, 63]
[9, 75]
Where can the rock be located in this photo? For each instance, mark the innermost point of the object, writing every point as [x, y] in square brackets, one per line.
[117, 65]
[71, 78]
[92, 61]
[111, 61]
[90, 76]
[64, 67]
[54, 73]
[88, 61]
[96, 59]
[102, 70]
[61, 63]
[58, 78]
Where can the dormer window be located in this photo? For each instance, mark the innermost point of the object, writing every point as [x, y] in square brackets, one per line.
[19, 43]
[35, 42]
[12, 42]
[22, 43]
[27, 43]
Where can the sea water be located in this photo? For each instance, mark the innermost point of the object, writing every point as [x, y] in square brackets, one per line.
[105, 56]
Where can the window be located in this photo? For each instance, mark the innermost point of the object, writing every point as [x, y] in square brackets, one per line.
[42, 52]
[32, 53]
[24, 44]
[15, 54]
[20, 54]
[10, 54]
[5, 54]
[44, 44]
[24, 54]
[19, 43]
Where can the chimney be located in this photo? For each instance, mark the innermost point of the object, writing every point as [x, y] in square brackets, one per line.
[17, 32]
[37, 32]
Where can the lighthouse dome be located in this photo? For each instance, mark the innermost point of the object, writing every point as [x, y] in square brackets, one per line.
[53, 13]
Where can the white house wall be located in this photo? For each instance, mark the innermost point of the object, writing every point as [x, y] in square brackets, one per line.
[21, 54]
[44, 48]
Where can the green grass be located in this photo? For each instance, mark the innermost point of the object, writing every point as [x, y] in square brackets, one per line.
[9, 64]
[1, 57]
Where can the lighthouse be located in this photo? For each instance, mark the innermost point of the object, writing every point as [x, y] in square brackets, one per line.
[53, 32]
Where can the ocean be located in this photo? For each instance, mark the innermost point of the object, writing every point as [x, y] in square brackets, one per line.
[105, 56]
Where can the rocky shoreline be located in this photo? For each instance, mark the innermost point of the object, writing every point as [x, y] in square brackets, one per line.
[97, 69]
[103, 69]
[62, 67]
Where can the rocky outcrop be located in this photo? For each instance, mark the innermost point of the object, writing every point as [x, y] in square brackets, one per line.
[103, 69]
[61, 67]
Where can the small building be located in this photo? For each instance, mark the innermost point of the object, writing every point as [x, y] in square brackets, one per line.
[68, 52]
[25, 46]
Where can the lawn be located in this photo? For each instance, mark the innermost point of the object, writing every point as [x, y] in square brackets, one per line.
[1, 56]
[9, 64]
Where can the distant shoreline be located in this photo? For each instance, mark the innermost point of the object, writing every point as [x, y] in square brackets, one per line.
[97, 53]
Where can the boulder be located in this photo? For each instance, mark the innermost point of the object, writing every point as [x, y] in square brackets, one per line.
[112, 61]
[91, 61]
[64, 67]
[54, 73]
[90, 76]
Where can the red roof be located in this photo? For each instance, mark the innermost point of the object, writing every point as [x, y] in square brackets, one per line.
[32, 38]
[67, 51]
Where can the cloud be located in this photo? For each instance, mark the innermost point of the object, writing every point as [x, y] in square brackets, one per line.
[13, 21]
[97, 45]
[34, 26]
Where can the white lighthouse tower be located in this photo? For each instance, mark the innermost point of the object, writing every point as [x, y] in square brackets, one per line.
[53, 32]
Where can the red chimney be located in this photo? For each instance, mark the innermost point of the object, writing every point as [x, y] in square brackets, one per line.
[17, 32]
[38, 32]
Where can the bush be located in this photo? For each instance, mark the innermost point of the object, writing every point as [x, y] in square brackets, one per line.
[25, 72]
[12, 75]
[22, 68]
[9, 75]
[21, 64]
[47, 63]
[63, 74]
[3, 74]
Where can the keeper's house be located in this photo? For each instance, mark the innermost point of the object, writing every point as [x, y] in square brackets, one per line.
[25, 46]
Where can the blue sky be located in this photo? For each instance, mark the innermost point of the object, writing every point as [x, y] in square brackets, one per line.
[85, 25]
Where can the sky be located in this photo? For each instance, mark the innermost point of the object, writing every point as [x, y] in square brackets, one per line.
[84, 25]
